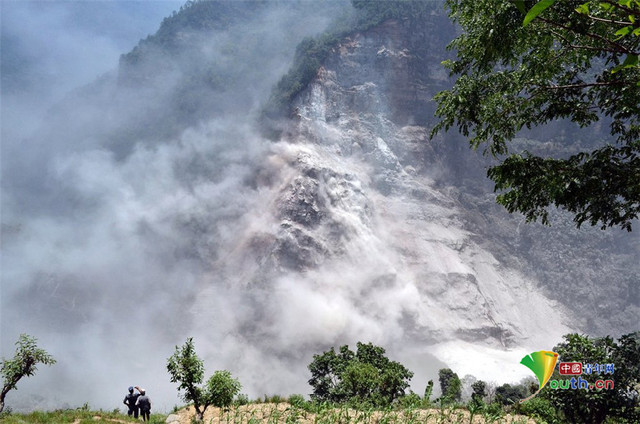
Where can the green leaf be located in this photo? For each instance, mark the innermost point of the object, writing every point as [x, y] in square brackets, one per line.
[537, 9]
[605, 6]
[583, 9]
[623, 31]
[636, 31]
[520, 5]
[629, 62]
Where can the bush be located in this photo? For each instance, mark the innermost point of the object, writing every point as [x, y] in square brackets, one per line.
[366, 376]
[509, 395]
[241, 399]
[221, 389]
[297, 400]
[540, 409]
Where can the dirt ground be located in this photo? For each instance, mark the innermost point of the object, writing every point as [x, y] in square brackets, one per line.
[269, 413]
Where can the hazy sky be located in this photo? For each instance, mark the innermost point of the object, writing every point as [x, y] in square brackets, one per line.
[51, 47]
[102, 256]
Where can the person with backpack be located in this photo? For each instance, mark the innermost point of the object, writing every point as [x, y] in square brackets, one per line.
[130, 400]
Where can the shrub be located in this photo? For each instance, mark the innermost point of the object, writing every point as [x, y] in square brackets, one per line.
[366, 376]
[297, 400]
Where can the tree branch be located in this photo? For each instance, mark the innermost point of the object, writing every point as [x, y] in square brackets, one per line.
[618, 47]
[609, 21]
[577, 47]
[585, 85]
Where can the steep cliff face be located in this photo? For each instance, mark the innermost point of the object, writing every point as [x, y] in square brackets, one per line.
[379, 233]
[371, 172]
[365, 232]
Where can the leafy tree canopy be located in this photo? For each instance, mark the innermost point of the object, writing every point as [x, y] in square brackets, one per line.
[450, 385]
[595, 406]
[522, 64]
[364, 376]
[24, 364]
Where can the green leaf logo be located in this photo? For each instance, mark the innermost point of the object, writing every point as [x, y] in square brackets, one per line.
[542, 363]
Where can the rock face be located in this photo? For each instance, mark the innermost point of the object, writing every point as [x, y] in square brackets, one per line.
[403, 231]
[366, 194]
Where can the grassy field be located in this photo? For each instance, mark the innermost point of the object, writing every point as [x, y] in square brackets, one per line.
[74, 416]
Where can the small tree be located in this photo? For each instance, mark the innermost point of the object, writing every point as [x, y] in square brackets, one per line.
[24, 362]
[187, 369]
[222, 388]
[479, 391]
[450, 385]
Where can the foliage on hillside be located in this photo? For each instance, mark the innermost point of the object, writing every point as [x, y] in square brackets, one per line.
[194, 15]
[365, 376]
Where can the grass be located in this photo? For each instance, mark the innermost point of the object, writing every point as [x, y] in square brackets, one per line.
[74, 416]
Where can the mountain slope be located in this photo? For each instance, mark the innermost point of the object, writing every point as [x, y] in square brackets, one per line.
[150, 208]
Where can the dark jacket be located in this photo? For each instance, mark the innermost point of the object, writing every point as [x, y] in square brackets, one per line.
[144, 403]
[130, 400]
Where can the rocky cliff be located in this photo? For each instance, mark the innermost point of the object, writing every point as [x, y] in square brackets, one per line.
[352, 225]
[373, 231]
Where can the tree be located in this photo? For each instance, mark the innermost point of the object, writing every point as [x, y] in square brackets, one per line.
[449, 385]
[596, 406]
[364, 376]
[523, 65]
[508, 394]
[187, 369]
[24, 363]
[479, 391]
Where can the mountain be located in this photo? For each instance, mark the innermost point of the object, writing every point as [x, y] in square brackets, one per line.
[260, 175]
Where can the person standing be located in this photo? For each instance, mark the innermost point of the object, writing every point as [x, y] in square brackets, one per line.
[130, 400]
[144, 403]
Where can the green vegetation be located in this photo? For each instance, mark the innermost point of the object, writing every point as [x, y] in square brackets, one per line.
[23, 364]
[77, 416]
[595, 406]
[565, 61]
[450, 386]
[193, 16]
[187, 369]
[364, 377]
[366, 387]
